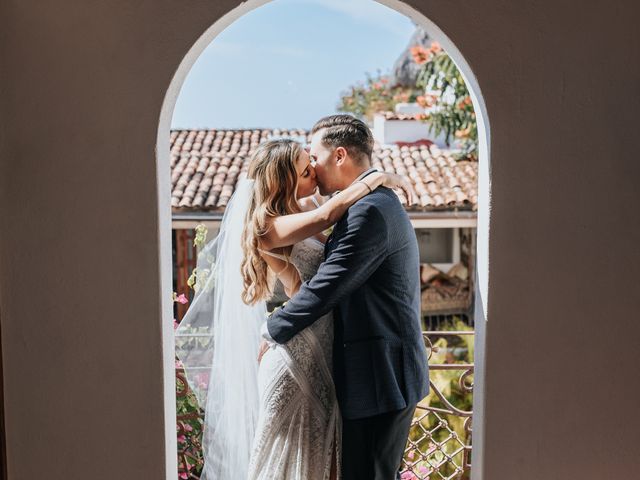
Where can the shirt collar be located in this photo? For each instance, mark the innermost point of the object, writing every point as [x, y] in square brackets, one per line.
[365, 173]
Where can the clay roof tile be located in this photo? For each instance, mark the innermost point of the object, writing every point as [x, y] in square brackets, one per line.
[207, 164]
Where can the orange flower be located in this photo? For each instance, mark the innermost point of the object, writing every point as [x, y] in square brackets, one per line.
[426, 101]
[435, 48]
[420, 54]
[463, 133]
[466, 101]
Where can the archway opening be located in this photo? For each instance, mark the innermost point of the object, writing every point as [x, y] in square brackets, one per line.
[420, 470]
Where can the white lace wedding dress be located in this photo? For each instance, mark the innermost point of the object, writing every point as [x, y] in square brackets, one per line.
[299, 432]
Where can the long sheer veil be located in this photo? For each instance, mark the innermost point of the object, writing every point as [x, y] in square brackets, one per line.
[217, 342]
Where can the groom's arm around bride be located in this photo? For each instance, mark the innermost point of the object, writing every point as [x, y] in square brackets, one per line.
[372, 285]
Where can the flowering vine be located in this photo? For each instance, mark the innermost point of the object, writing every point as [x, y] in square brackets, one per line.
[446, 99]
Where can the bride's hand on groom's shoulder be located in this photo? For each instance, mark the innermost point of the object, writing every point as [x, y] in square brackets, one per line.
[392, 180]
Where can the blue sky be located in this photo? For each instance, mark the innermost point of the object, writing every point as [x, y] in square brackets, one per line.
[284, 64]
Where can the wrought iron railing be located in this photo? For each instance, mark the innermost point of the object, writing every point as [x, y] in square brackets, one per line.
[439, 444]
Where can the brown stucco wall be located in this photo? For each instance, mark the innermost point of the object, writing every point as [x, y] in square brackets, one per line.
[81, 90]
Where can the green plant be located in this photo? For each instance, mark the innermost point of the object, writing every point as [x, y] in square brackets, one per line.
[448, 105]
[189, 430]
[374, 95]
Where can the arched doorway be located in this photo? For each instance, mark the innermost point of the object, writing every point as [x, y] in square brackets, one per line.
[484, 193]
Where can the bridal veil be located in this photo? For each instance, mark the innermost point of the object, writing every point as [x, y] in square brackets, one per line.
[217, 342]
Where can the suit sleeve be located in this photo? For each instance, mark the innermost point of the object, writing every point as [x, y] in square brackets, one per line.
[357, 254]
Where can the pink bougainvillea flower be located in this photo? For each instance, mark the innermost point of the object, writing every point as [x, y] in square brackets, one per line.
[411, 454]
[202, 377]
[182, 299]
[182, 438]
[188, 427]
[424, 470]
[183, 475]
[408, 476]
[432, 448]
[435, 47]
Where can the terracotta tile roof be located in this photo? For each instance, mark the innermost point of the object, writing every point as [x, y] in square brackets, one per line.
[398, 116]
[206, 164]
[439, 181]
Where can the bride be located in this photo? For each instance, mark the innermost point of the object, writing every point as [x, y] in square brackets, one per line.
[278, 419]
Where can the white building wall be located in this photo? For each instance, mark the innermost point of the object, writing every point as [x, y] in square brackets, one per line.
[392, 131]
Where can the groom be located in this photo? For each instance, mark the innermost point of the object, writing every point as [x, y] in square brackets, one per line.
[370, 279]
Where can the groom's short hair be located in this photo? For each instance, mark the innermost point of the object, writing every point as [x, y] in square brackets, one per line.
[348, 132]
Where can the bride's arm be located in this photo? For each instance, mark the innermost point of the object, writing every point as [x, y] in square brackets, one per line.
[290, 279]
[286, 272]
[311, 203]
[289, 229]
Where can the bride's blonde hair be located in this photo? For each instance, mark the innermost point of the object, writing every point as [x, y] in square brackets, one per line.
[273, 167]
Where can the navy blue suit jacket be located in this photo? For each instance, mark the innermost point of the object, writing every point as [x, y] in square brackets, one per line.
[370, 279]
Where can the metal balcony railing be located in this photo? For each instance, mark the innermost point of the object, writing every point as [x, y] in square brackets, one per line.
[439, 444]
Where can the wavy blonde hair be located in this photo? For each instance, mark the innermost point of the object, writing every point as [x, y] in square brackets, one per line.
[273, 167]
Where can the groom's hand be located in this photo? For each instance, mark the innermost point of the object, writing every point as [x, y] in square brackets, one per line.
[264, 346]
